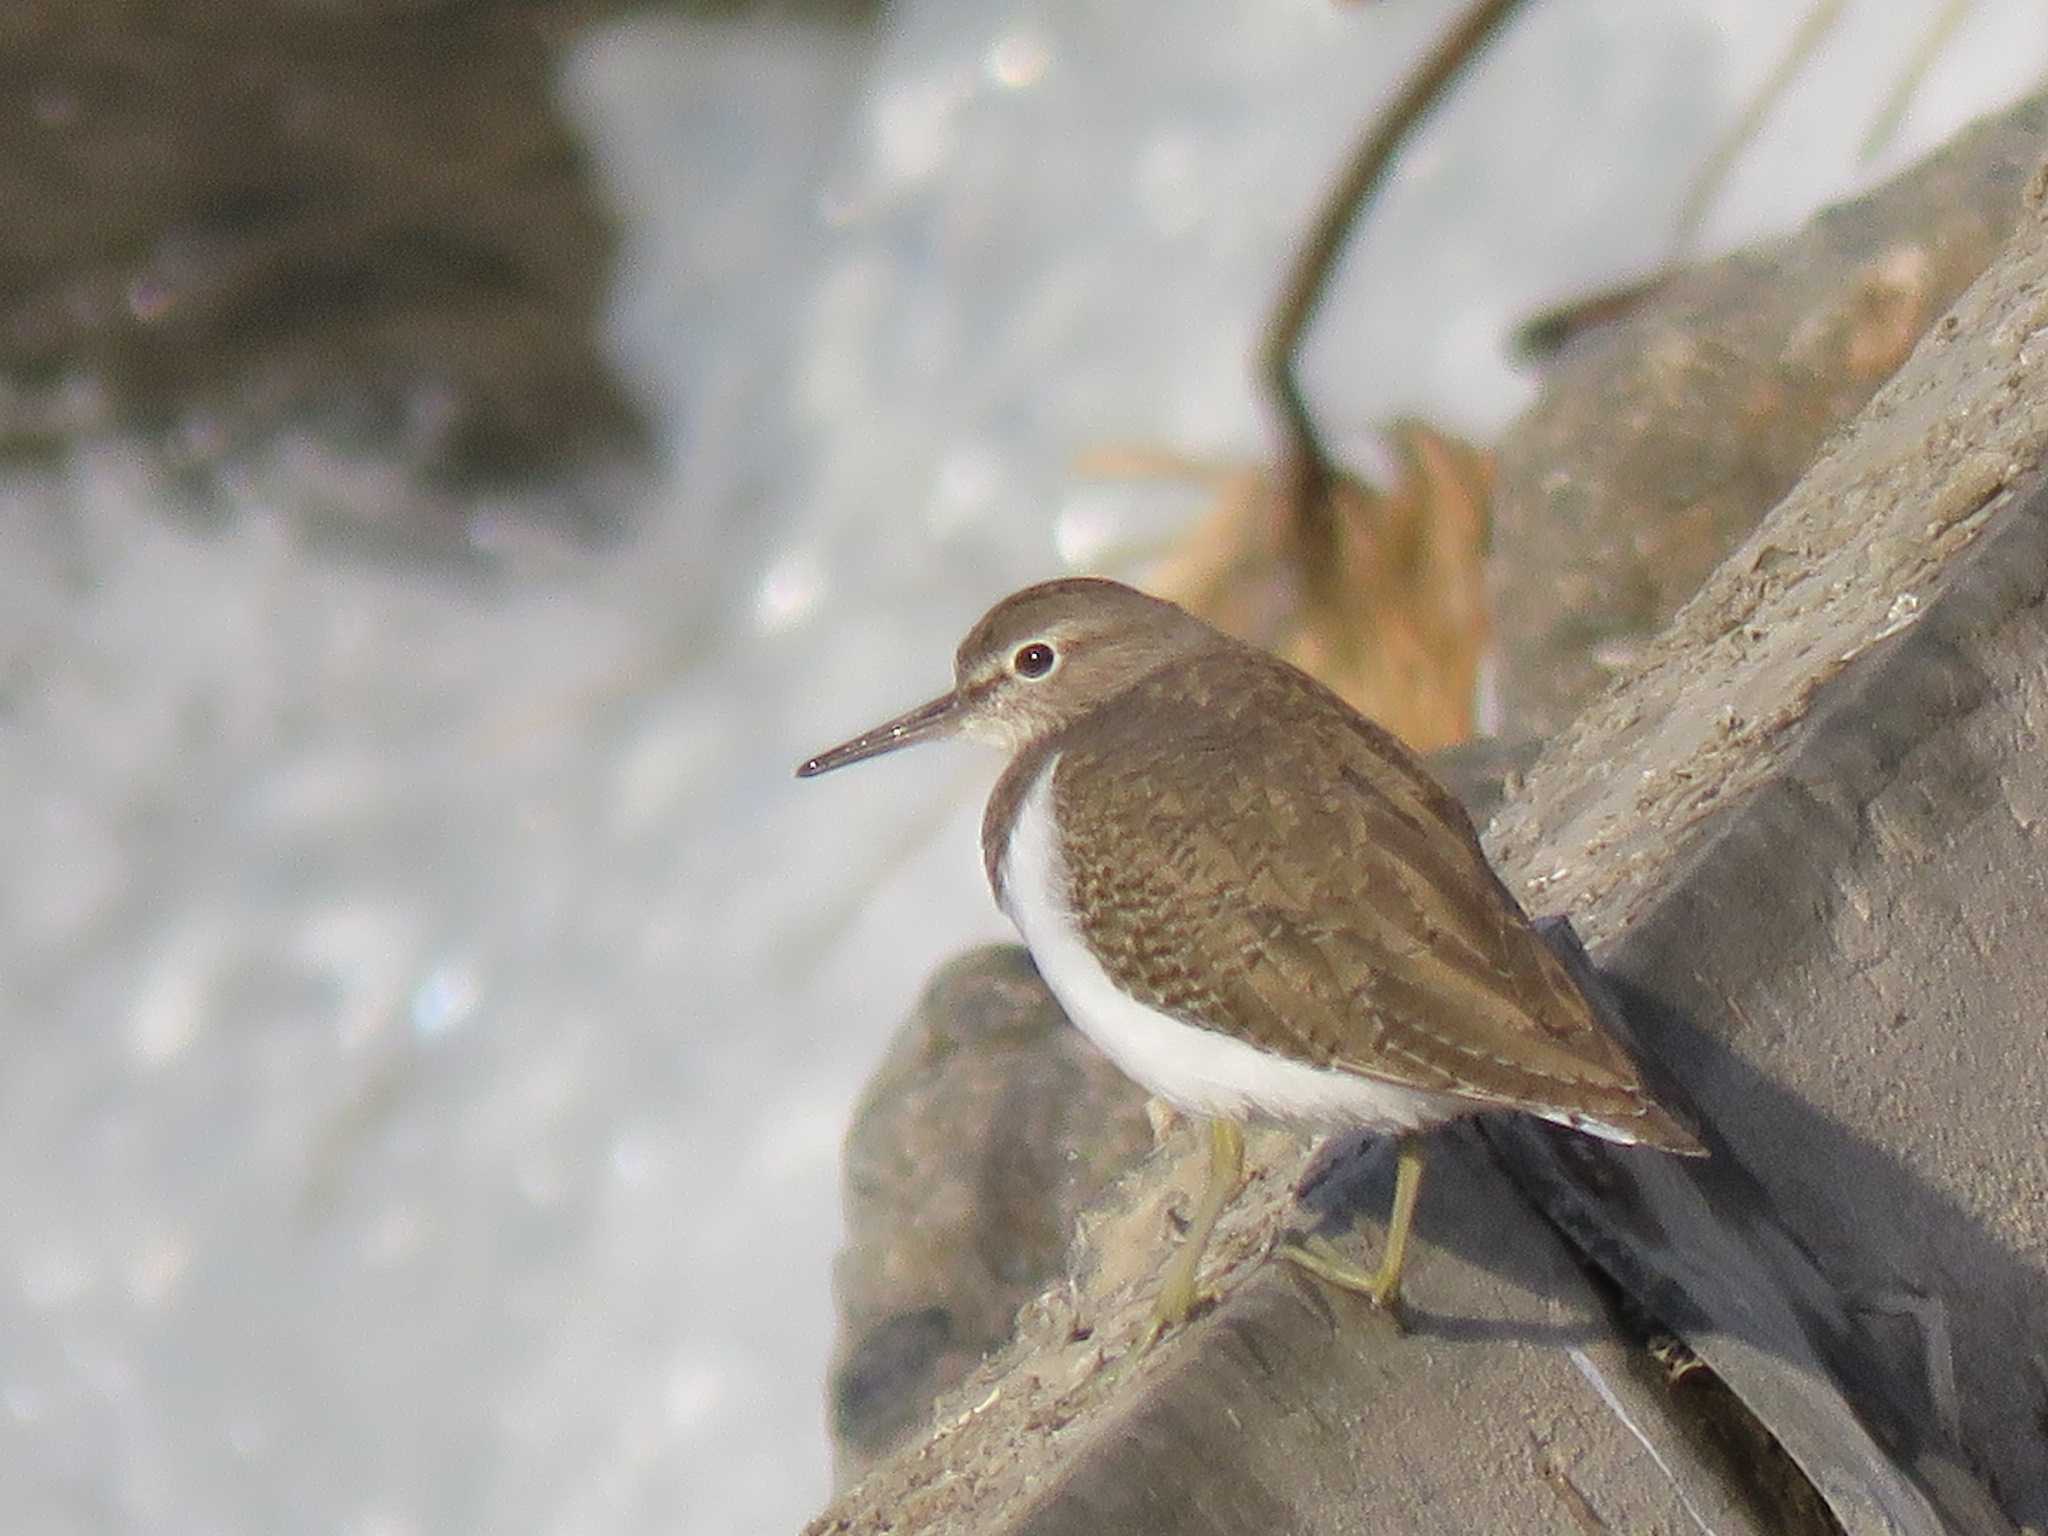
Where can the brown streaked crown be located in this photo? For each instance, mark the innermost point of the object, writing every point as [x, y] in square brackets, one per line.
[1102, 636]
[1038, 661]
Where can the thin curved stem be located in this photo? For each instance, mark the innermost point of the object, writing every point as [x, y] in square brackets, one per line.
[1305, 466]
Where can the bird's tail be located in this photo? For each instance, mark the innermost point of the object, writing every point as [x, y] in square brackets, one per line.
[1645, 1124]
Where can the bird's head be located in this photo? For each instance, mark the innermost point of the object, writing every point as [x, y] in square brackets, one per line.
[1035, 663]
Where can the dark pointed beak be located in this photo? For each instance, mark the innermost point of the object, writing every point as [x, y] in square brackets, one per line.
[939, 717]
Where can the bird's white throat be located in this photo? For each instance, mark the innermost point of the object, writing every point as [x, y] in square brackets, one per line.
[1200, 1071]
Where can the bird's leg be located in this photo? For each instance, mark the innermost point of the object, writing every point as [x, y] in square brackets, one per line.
[1177, 1293]
[1384, 1284]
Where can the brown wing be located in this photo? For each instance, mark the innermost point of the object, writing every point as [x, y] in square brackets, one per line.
[1368, 931]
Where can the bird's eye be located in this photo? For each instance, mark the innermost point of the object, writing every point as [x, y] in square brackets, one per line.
[1033, 660]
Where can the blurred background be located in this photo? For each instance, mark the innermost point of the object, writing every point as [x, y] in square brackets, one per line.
[456, 458]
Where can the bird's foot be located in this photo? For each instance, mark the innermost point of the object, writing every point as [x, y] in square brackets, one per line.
[1178, 1299]
[1319, 1256]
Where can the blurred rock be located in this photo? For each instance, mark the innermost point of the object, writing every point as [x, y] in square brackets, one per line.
[1661, 439]
[364, 220]
[987, 1129]
[1483, 772]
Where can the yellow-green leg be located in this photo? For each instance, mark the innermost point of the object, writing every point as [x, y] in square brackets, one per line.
[1177, 1293]
[1383, 1285]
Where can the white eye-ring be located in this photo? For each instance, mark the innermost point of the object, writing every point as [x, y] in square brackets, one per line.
[1033, 661]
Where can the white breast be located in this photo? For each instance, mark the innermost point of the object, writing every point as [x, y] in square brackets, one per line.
[1201, 1071]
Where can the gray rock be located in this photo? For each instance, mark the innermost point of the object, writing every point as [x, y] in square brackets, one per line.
[1663, 438]
[990, 1124]
[361, 220]
[1804, 838]
[1810, 831]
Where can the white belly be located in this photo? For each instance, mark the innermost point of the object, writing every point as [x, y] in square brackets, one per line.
[1201, 1071]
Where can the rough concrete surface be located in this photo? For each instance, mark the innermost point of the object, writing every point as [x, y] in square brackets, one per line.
[1848, 1421]
[1835, 875]
[1287, 1408]
[1663, 438]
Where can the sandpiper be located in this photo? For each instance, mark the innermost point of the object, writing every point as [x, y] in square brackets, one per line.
[1258, 903]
